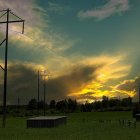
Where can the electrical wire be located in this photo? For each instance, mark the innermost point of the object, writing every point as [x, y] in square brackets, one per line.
[3, 15]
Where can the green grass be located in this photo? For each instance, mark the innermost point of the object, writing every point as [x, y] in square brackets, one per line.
[80, 126]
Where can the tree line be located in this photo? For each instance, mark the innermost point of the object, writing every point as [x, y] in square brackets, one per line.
[71, 105]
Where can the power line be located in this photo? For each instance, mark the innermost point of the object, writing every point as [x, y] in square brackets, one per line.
[3, 15]
[15, 15]
[51, 50]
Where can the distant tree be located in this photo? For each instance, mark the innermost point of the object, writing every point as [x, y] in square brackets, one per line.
[87, 107]
[52, 104]
[83, 108]
[97, 105]
[114, 102]
[105, 102]
[32, 104]
[62, 105]
[72, 105]
[126, 102]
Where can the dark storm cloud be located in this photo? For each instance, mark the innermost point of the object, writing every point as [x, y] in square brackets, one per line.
[72, 82]
[22, 82]
[87, 96]
[130, 85]
[127, 85]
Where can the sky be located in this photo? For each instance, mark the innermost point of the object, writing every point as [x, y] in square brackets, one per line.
[89, 47]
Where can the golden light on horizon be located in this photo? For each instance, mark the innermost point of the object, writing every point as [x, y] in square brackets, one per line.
[91, 92]
[129, 93]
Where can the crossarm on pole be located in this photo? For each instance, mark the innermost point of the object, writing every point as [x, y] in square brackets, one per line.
[2, 42]
[2, 68]
[12, 21]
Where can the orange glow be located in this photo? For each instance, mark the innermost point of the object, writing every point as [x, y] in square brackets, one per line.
[129, 93]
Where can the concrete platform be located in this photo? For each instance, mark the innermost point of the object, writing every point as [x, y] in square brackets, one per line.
[46, 121]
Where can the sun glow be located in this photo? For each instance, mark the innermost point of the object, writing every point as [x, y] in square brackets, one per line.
[99, 87]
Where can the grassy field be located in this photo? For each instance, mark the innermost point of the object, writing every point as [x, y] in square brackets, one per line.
[80, 126]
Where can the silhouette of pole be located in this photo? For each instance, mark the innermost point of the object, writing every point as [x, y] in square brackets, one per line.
[8, 12]
[5, 71]
[44, 79]
[45, 91]
[139, 95]
[38, 92]
[44, 95]
[18, 102]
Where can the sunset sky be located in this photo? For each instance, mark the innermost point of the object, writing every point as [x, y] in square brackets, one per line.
[90, 47]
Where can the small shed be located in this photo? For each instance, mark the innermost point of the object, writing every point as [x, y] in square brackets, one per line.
[46, 121]
[137, 116]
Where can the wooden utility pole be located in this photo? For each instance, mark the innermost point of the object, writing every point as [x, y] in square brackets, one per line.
[44, 79]
[139, 94]
[44, 94]
[7, 22]
[38, 91]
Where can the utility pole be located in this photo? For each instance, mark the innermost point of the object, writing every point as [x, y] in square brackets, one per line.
[139, 94]
[44, 76]
[7, 22]
[44, 94]
[18, 102]
[44, 79]
[45, 90]
[38, 96]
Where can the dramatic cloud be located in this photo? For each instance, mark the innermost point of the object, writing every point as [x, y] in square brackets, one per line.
[110, 8]
[39, 37]
[74, 74]
[23, 82]
[84, 80]
[129, 87]
[111, 70]
[74, 81]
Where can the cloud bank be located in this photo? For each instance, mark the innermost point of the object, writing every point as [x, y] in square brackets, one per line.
[129, 87]
[39, 37]
[22, 82]
[110, 8]
[85, 80]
